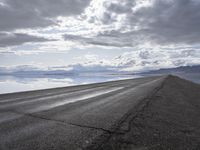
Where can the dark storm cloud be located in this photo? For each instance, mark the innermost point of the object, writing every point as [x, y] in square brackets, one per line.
[12, 39]
[18, 14]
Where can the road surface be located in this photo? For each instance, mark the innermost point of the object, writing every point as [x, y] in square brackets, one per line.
[94, 116]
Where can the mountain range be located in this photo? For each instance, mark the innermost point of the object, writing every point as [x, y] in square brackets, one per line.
[188, 72]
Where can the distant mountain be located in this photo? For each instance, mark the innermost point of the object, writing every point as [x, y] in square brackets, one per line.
[188, 72]
[182, 69]
[76, 69]
[31, 71]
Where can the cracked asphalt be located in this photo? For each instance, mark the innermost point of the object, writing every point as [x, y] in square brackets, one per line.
[128, 114]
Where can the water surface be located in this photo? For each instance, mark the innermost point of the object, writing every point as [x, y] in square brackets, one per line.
[10, 84]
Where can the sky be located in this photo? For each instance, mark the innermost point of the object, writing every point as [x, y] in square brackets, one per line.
[130, 35]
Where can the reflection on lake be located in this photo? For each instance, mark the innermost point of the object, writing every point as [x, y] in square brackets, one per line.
[10, 84]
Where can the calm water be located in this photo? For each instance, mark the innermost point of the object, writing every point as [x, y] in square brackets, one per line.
[10, 84]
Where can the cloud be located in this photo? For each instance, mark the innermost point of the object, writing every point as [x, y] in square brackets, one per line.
[19, 14]
[135, 61]
[160, 33]
[102, 39]
[13, 39]
[129, 23]
[170, 21]
[140, 60]
[148, 59]
[108, 23]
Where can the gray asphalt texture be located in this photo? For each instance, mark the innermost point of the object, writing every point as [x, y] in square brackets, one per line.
[153, 113]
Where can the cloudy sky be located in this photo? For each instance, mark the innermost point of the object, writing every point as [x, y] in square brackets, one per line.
[126, 34]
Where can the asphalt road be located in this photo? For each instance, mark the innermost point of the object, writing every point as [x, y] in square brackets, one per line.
[67, 118]
[95, 116]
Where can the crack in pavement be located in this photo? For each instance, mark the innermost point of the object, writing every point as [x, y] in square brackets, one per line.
[145, 103]
[97, 128]
[66, 123]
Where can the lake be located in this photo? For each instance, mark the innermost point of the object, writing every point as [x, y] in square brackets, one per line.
[10, 84]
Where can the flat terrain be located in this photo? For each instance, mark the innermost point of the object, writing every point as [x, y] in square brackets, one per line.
[147, 113]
